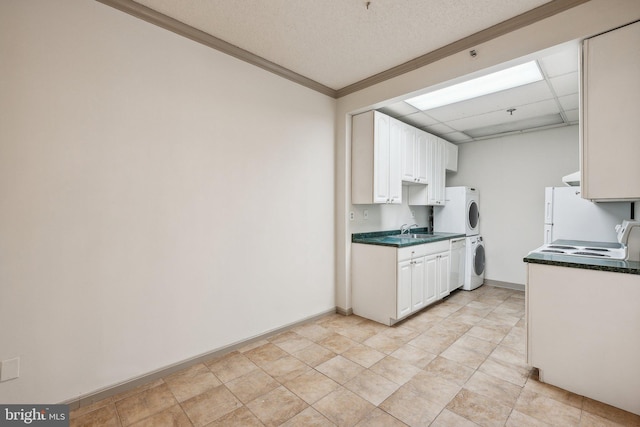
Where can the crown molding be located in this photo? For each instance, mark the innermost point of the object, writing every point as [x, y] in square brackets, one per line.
[505, 27]
[534, 15]
[161, 20]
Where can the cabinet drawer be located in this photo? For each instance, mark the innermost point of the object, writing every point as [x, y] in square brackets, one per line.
[422, 250]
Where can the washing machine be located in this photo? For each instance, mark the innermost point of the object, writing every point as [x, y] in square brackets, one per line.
[460, 213]
[474, 270]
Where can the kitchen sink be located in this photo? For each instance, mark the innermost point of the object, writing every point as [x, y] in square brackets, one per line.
[412, 236]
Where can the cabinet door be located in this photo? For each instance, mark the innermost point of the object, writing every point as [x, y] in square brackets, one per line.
[436, 172]
[395, 172]
[610, 110]
[440, 173]
[417, 284]
[430, 278]
[451, 156]
[408, 147]
[443, 275]
[381, 141]
[421, 157]
[403, 296]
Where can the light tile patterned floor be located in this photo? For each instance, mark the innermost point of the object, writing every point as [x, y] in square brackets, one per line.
[457, 363]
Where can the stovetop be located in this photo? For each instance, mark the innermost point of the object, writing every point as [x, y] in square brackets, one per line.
[605, 250]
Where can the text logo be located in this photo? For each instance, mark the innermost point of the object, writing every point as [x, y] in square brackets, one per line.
[34, 415]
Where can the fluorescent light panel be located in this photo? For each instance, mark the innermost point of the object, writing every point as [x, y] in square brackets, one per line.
[519, 75]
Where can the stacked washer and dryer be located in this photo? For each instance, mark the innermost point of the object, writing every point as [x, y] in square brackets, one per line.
[461, 214]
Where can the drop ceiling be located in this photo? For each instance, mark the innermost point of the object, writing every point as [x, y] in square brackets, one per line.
[339, 46]
[548, 103]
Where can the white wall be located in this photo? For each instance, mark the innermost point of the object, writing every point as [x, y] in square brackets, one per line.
[579, 22]
[388, 217]
[511, 173]
[158, 199]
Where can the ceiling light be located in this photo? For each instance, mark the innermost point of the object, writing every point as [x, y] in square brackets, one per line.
[506, 79]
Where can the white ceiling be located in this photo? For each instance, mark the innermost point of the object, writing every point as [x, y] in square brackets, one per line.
[341, 42]
[338, 43]
[551, 102]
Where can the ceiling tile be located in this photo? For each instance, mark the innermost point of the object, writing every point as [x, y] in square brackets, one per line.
[559, 63]
[496, 117]
[399, 109]
[456, 137]
[516, 126]
[439, 129]
[569, 102]
[499, 101]
[573, 116]
[565, 84]
[419, 119]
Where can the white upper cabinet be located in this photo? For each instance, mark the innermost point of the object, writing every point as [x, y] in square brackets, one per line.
[433, 193]
[375, 159]
[414, 157]
[421, 156]
[610, 115]
[386, 152]
[451, 156]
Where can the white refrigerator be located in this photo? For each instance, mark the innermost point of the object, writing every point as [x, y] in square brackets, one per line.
[570, 217]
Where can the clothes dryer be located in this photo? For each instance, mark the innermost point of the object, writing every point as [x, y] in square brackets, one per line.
[460, 213]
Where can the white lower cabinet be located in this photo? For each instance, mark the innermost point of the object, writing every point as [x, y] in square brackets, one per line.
[443, 267]
[582, 332]
[410, 286]
[389, 284]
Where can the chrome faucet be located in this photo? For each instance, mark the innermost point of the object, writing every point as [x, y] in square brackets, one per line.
[406, 229]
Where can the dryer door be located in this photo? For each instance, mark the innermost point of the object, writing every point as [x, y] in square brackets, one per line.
[473, 217]
[478, 260]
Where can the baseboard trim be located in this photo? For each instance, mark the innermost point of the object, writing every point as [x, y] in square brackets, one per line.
[344, 312]
[507, 285]
[95, 396]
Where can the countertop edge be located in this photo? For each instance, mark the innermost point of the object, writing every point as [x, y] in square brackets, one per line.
[625, 267]
[378, 239]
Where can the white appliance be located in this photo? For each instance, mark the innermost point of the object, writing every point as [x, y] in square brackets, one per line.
[580, 248]
[629, 237]
[568, 216]
[474, 271]
[460, 213]
[458, 262]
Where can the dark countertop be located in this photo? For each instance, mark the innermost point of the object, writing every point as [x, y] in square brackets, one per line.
[587, 263]
[383, 238]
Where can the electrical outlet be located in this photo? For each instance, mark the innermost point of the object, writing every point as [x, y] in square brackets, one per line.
[352, 216]
[9, 369]
[413, 214]
[365, 214]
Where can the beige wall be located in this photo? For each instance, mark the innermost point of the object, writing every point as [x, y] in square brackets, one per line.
[511, 173]
[577, 23]
[158, 199]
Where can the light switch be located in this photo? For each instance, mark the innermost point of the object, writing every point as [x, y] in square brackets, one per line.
[365, 214]
[9, 369]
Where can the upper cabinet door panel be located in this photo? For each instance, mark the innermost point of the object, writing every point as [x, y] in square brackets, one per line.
[610, 122]
[375, 159]
[382, 144]
[408, 146]
[395, 167]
